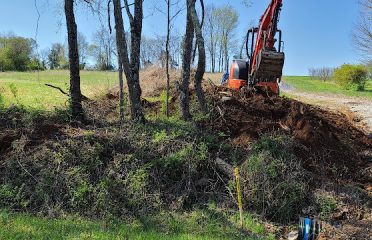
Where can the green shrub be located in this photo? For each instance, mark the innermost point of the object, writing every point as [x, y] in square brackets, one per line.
[14, 90]
[274, 181]
[2, 101]
[326, 204]
[352, 77]
[6, 195]
[35, 64]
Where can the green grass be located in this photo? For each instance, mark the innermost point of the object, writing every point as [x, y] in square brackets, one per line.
[198, 224]
[313, 85]
[32, 93]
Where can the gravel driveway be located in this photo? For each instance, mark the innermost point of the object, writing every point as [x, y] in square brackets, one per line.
[360, 106]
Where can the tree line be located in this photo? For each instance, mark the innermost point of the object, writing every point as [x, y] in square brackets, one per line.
[22, 54]
[18, 54]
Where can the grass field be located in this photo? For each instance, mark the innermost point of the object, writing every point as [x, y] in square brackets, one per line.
[28, 89]
[195, 225]
[312, 85]
[31, 92]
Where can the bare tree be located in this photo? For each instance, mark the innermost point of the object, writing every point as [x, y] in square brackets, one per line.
[103, 49]
[323, 73]
[149, 51]
[247, 3]
[201, 55]
[170, 18]
[210, 30]
[228, 19]
[120, 69]
[362, 35]
[312, 73]
[219, 28]
[83, 49]
[131, 66]
[186, 64]
[75, 92]
[121, 89]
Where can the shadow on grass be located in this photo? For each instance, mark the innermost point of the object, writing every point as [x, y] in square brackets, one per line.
[198, 224]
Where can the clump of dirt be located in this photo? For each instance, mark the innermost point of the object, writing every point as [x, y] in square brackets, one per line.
[331, 142]
[6, 139]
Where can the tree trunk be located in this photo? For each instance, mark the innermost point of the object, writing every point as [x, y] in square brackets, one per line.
[226, 54]
[201, 57]
[214, 56]
[241, 49]
[136, 35]
[186, 63]
[220, 60]
[121, 90]
[167, 55]
[131, 68]
[212, 59]
[76, 107]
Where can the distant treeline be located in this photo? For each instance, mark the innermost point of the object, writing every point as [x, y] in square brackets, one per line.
[23, 54]
[18, 54]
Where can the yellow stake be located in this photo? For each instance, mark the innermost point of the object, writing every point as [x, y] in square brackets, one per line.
[239, 193]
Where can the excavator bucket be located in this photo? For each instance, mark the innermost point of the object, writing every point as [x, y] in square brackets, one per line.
[269, 66]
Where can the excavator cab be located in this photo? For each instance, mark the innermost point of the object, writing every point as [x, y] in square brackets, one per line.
[264, 67]
[268, 69]
[238, 76]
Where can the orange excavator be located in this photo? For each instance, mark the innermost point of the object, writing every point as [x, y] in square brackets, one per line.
[264, 67]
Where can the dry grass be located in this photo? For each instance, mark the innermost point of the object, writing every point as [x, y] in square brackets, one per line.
[154, 80]
[215, 77]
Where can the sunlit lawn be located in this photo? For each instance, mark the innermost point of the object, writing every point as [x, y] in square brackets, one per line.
[32, 93]
[312, 85]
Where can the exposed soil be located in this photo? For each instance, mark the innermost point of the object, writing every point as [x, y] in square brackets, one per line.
[334, 150]
[358, 108]
[247, 116]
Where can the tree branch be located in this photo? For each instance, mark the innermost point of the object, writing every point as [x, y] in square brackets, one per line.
[130, 16]
[84, 98]
[109, 15]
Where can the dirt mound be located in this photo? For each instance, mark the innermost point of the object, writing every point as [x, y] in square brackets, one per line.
[330, 142]
[153, 81]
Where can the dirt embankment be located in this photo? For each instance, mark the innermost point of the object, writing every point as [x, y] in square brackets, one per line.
[335, 153]
[330, 139]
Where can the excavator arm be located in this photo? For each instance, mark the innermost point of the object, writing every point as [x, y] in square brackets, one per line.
[265, 65]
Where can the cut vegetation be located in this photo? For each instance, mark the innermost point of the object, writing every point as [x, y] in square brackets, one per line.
[134, 174]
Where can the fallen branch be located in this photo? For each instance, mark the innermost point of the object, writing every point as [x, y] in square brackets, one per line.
[84, 98]
[58, 88]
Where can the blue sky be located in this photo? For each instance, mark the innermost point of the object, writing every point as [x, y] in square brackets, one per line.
[317, 33]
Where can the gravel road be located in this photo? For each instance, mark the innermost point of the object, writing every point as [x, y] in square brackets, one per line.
[360, 106]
